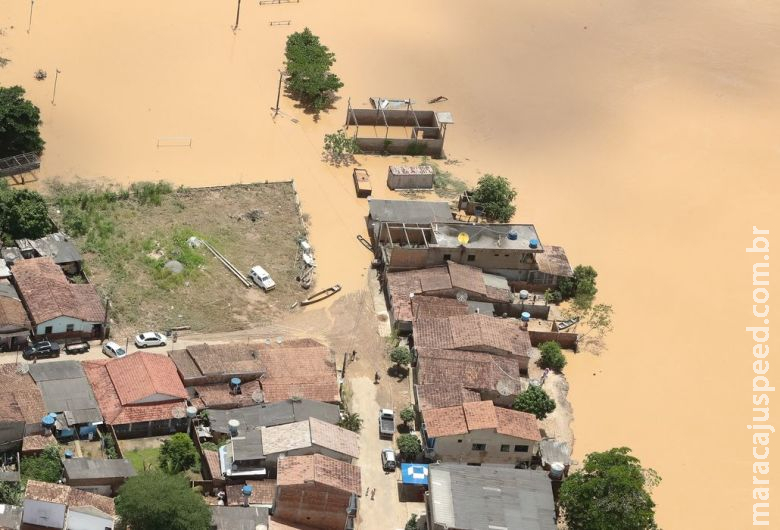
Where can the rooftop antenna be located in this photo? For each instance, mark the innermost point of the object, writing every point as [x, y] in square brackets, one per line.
[258, 396]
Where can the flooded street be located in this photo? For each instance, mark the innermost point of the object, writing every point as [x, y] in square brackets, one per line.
[642, 136]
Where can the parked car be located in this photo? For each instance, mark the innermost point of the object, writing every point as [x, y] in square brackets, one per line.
[149, 339]
[112, 349]
[388, 459]
[262, 278]
[76, 347]
[386, 423]
[41, 350]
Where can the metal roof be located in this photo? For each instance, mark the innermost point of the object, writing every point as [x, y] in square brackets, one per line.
[238, 517]
[248, 446]
[11, 516]
[88, 468]
[499, 498]
[65, 388]
[270, 414]
[409, 211]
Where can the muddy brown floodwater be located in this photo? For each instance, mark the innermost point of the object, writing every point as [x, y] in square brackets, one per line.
[643, 136]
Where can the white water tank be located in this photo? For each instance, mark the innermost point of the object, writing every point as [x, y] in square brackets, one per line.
[523, 295]
[192, 412]
[556, 470]
[233, 427]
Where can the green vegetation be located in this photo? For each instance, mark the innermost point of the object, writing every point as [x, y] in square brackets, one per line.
[444, 183]
[19, 121]
[407, 414]
[150, 192]
[339, 148]
[176, 248]
[23, 213]
[534, 401]
[308, 70]
[551, 357]
[401, 356]
[409, 446]
[351, 421]
[144, 459]
[178, 453]
[416, 149]
[109, 447]
[495, 195]
[45, 467]
[612, 490]
[411, 524]
[11, 493]
[581, 288]
[155, 501]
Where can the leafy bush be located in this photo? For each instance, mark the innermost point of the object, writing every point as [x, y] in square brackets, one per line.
[23, 214]
[581, 287]
[308, 69]
[339, 148]
[411, 524]
[153, 501]
[11, 493]
[551, 357]
[495, 194]
[534, 401]
[401, 356]
[209, 446]
[109, 446]
[407, 414]
[409, 446]
[178, 454]
[351, 421]
[150, 192]
[45, 467]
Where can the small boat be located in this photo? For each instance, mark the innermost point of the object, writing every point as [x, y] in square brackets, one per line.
[321, 295]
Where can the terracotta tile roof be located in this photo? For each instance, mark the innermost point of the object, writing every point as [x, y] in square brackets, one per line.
[436, 307]
[445, 422]
[233, 358]
[219, 395]
[48, 294]
[114, 412]
[276, 524]
[12, 314]
[434, 279]
[466, 278]
[20, 399]
[212, 463]
[71, 497]
[518, 424]
[319, 470]
[141, 375]
[553, 261]
[263, 492]
[441, 395]
[334, 438]
[480, 415]
[473, 332]
[473, 370]
[37, 442]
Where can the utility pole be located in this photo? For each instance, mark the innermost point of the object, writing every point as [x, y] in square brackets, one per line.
[279, 92]
[238, 13]
[29, 24]
[54, 93]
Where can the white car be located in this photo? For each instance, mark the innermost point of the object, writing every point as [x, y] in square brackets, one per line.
[112, 349]
[149, 339]
[262, 278]
[388, 459]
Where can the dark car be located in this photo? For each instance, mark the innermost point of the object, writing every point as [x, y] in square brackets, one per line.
[41, 350]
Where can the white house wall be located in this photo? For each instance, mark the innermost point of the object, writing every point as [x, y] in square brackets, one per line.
[60, 325]
[45, 514]
[86, 521]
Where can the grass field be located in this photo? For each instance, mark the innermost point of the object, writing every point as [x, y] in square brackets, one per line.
[127, 236]
[143, 459]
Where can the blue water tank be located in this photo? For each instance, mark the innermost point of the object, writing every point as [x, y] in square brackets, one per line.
[68, 453]
[246, 490]
[512, 235]
[235, 381]
[525, 316]
[48, 421]
[534, 243]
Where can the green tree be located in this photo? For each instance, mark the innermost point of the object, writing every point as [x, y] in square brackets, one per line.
[411, 524]
[401, 356]
[551, 357]
[534, 401]
[308, 69]
[19, 121]
[45, 467]
[581, 287]
[407, 414]
[11, 493]
[178, 454]
[23, 213]
[409, 446]
[612, 490]
[156, 501]
[495, 194]
[351, 421]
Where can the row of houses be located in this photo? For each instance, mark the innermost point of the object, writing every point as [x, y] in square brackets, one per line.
[468, 297]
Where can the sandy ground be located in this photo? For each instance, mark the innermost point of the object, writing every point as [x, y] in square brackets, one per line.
[640, 135]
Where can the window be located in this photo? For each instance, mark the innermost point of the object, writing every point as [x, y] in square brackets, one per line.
[447, 257]
[48, 330]
[460, 441]
[504, 448]
[69, 328]
[478, 447]
[521, 449]
[471, 257]
[473, 464]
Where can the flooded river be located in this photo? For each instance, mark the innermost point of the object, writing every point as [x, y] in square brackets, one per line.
[642, 136]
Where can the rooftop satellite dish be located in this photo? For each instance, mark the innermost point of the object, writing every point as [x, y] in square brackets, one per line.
[179, 412]
[279, 340]
[503, 387]
[463, 238]
[462, 297]
[258, 396]
[268, 341]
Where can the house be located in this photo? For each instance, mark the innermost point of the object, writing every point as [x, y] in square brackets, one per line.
[58, 506]
[56, 307]
[490, 377]
[476, 332]
[262, 494]
[14, 325]
[410, 177]
[464, 497]
[139, 394]
[67, 393]
[480, 433]
[316, 490]
[411, 212]
[300, 368]
[56, 246]
[21, 407]
[10, 517]
[271, 414]
[103, 477]
[239, 518]
[440, 395]
[255, 453]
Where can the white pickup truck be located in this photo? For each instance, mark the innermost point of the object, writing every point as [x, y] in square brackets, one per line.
[386, 423]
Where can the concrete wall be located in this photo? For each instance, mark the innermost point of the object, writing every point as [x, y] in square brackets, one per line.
[313, 505]
[409, 182]
[497, 261]
[107, 486]
[402, 146]
[447, 448]
[566, 340]
[151, 428]
[86, 521]
[45, 514]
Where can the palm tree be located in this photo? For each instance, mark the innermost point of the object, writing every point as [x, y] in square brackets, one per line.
[351, 421]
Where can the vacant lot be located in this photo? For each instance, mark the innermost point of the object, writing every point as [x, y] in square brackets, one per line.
[127, 237]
